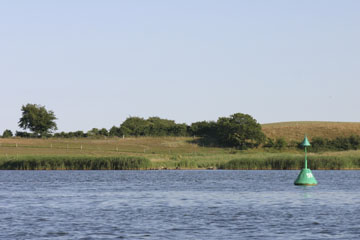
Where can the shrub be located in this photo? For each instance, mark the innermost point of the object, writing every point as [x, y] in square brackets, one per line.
[7, 134]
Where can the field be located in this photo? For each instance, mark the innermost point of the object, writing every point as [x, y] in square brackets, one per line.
[182, 153]
[164, 152]
[294, 131]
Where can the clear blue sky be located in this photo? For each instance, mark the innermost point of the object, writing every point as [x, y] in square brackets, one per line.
[95, 63]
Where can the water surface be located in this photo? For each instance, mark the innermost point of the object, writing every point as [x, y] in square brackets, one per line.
[178, 205]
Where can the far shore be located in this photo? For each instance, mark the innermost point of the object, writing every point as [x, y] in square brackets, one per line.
[158, 153]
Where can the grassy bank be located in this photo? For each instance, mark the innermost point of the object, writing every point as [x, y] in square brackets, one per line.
[157, 153]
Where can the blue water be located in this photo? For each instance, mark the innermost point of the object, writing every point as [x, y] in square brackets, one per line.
[178, 205]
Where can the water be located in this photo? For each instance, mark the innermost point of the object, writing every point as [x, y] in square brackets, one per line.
[178, 205]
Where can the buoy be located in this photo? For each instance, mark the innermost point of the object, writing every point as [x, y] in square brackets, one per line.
[305, 176]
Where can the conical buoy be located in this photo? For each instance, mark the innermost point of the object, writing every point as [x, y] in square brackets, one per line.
[305, 176]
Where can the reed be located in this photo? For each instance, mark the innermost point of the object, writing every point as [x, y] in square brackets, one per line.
[289, 162]
[74, 163]
[158, 153]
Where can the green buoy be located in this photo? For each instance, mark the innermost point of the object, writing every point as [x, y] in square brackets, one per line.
[305, 176]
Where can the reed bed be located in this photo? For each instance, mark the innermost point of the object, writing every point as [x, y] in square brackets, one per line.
[74, 163]
[290, 162]
[157, 153]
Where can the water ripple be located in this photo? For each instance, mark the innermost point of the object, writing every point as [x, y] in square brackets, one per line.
[177, 205]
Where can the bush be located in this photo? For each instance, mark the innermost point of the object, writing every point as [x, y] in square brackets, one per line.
[269, 143]
[7, 134]
[280, 143]
[337, 144]
[24, 134]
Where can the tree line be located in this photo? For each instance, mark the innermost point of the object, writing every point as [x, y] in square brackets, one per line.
[239, 130]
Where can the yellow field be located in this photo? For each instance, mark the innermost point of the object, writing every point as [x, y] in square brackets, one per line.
[295, 131]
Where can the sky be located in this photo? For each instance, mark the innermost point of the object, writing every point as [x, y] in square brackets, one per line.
[95, 63]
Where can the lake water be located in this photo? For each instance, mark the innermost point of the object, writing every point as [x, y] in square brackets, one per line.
[178, 205]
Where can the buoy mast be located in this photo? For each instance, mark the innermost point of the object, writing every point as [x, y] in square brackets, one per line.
[305, 176]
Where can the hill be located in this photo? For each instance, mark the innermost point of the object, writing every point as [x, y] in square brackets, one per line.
[295, 131]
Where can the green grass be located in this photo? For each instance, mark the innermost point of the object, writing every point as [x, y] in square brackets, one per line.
[290, 162]
[73, 163]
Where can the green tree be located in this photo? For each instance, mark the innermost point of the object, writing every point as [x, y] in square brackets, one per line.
[239, 130]
[203, 129]
[135, 126]
[37, 119]
[115, 131]
[7, 134]
[103, 132]
[93, 132]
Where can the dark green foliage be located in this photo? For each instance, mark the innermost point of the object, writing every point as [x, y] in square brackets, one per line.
[153, 126]
[93, 132]
[77, 134]
[37, 119]
[164, 127]
[115, 131]
[337, 144]
[7, 134]
[280, 143]
[59, 135]
[134, 126]
[203, 129]
[177, 130]
[75, 163]
[96, 133]
[239, 130]
[103, 132]
[354, 142]
[269, 143]
[25, 134]
[318, 143]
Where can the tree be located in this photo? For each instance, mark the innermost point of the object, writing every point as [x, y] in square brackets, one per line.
[93, 132]
[239, 130]
[115, 131]
[203, 129]
[103, 132]
[7, 134]
[37, 119]
[135, 126]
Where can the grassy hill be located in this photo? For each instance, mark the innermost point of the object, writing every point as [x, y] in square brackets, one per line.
[295, 131]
